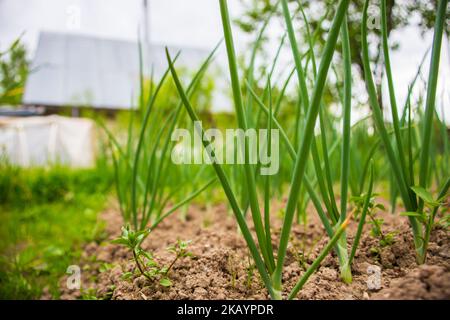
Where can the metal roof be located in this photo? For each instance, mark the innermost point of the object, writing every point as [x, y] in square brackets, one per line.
[80, 70]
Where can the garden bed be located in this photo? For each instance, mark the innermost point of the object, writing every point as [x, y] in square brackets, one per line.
[221, 265]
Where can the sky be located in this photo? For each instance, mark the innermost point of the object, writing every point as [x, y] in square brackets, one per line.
[190, 23]
[193, 23]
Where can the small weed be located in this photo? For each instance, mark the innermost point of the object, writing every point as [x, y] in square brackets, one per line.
[145, 261]
[89, 294]
[300, 251]
[250, 271]
[105, 267]
[232, 269]
[384, 238]
[427, 212]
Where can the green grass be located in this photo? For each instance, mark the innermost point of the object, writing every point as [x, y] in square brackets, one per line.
[46, 216]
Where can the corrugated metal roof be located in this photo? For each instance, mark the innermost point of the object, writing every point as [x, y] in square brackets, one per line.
[79, 70]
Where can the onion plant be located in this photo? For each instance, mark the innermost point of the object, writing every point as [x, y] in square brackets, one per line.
[269, 264]
[421, 207]
[324, 178]
[142, 168]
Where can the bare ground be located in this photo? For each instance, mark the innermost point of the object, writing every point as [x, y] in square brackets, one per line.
[221, 267]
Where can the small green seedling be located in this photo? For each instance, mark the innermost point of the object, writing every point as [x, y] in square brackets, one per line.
[444, 223]
[250, 271]
[232, 269]
[145, 261]
[427, 214]
[301, 252]
[89, 294]
[105, 267]
[180, 249]
[384, 239]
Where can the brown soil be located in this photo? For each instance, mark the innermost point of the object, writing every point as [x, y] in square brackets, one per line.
[221, 269]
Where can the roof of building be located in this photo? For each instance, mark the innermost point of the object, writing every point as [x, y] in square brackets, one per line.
[79, 70]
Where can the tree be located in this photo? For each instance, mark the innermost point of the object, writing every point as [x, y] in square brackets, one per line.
[13, 73]
[400, 13]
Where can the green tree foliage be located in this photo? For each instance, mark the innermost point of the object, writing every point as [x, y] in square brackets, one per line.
[400, 13]
[13, 72]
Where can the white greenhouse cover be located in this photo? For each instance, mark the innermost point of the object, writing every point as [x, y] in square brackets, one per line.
[39, 141]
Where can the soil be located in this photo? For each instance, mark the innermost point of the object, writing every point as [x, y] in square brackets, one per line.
[221, 268]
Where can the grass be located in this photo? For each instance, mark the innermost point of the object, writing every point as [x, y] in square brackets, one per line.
[47, 215]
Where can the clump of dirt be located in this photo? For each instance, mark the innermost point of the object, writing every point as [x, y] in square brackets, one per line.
[424, 282]
[221, 267]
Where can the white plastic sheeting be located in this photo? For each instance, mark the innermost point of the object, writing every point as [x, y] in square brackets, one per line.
[39, 141]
